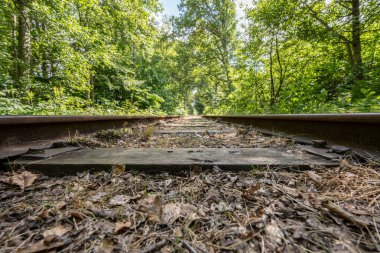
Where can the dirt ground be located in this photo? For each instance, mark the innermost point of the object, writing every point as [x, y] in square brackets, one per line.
[261, 210]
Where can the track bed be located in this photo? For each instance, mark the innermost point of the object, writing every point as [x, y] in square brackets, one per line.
[203, 207]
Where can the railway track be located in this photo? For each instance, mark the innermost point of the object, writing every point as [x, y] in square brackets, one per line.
[361, 132]
[20, 133]
[358, 131]
[242, 187]
[174, 144]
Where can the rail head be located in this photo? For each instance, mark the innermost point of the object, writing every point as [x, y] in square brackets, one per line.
[346, 118]
[359, 131]
[19, 133]
[29, 120]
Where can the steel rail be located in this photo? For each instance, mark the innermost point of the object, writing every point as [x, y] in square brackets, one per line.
[19, 132]
[359, 131]
[26, 120]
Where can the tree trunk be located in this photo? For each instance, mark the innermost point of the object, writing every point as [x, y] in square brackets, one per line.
[356, 41]
[357, 70]
[281, 72]
[15, 71]
[24, 42]
[46, 73]
[353, 44]
[226, 64]
[271, 76]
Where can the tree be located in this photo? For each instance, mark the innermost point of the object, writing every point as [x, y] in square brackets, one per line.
[209, 29]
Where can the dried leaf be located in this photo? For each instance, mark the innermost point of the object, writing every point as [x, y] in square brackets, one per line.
[168, 182]
[274, 232]
[98, 196]
[178, 232]
[313, 176]
[170, 213]
[249, 194]
[78, 215]
[152, 206]
[44, 213]
[118, 169]
[213, 194]
[288, 190]
[23, 180]
[106, 213]
[119, 200]
[107, 246]
[57, 231]
[187, 209]
[167, 249]
[121, 227]
[60, 205]
[78, 187]
[344, 246]
[41, 246]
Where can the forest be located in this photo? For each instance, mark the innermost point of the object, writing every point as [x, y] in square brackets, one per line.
[63, 57]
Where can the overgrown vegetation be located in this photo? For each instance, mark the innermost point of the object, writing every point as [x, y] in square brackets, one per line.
[114, 57]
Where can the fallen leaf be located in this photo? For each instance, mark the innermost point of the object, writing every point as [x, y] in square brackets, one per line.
[77, 187]
[57, 231]
[344, 246]
[213, 194]
[23, 180]
[168, 182]
[44, 213]
[106, 213]
[187, 209]
[98, 196]
[121, 227]
[313, 176]
[274, 232]
[237, 230]
[60, 205]
[152, 206]
[41, 246]
[170, 213]
[78, 215]
[195, 169]
[107, 246]
[119, 200]
[249, 194]
[178, 232]
[288, 190]
[167, 249]
[118, 169]
[147, 201]
[222, 207]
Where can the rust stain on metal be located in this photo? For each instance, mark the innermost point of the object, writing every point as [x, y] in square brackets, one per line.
[18, 132]
[359, 131]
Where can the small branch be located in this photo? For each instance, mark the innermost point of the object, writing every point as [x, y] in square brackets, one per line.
[154, 247]
[345, 215]
[188, 246]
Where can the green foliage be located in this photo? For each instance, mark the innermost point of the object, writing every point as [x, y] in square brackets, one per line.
[88, 57]
[112, 57]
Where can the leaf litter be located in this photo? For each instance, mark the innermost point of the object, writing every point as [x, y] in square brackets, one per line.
[262, 210]
[208, 211]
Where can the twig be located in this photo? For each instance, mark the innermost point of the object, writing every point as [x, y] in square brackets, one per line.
[154, 247]
[313, 176]
[233, 246]
[187, 245]
[340, 212]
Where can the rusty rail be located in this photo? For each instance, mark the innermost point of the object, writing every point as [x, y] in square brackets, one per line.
[361, 131]
[20, 132]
